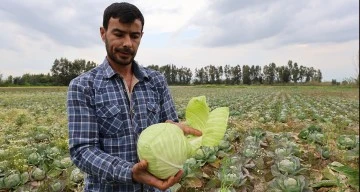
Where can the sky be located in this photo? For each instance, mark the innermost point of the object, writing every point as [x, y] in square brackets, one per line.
[323, 34]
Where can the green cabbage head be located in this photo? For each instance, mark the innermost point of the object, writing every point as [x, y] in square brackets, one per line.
[165, 147]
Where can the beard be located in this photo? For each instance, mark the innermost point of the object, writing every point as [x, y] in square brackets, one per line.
[118, 59]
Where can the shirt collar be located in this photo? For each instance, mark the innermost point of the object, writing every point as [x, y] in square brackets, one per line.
[139, 71]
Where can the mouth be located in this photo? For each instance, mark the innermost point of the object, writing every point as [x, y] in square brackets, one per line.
[123, 52]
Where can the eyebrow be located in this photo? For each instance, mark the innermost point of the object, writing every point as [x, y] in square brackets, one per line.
[121, 31]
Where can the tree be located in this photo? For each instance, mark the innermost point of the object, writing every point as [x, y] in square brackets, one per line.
[246, 74]
[227, 72]
[309, 74]
[255, 74]
[212, 73]
[283, 74]
[235, 75]
[219, 74]
[317, 76]
[302, 73]
[200, 76]
[295, 71]
[9, 80]
[173, 74]
[63, 70]
[166, 71]
[269, 73]
[154, 67]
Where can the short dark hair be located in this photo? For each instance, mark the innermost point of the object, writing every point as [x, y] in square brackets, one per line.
[125, 12]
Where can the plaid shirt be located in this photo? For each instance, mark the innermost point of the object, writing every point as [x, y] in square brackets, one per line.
[104, 124]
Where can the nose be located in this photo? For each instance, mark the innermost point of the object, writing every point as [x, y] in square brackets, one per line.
[127, 41]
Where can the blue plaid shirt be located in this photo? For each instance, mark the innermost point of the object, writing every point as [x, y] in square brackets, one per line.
[104, 124]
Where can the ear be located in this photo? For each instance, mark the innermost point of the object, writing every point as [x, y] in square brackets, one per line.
[102, 33]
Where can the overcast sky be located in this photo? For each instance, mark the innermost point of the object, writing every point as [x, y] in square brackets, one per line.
[323, 34]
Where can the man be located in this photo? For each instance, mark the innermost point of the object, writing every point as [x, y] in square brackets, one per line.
[110, 105]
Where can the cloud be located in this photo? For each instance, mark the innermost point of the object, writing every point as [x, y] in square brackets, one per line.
[191, 33]
[231, 22]
[163, 16]
[72, 23]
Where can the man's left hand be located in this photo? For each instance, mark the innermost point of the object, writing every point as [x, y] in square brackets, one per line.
[186, 129]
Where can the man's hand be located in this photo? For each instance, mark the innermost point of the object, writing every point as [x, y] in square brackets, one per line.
[186, 129]
[141, 175]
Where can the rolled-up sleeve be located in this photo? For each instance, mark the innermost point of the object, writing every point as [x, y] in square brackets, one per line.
[84, 144]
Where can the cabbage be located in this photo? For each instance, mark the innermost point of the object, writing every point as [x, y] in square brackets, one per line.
[12, 180]
[76, 175]
[38, 174]
[165, 147]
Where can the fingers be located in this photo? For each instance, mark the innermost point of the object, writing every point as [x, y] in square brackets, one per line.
[141, 175]
[165, 184]
[170, 121]
[186, 129]
[190, 131]
[178, 176]
[142, 165]
[138, 170]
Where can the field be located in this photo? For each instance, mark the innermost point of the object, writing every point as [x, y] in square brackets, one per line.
[277, 136]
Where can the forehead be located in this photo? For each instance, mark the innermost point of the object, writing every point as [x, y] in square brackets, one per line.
[135, 26]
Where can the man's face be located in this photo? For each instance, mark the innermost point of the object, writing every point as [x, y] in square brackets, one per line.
[122, 40]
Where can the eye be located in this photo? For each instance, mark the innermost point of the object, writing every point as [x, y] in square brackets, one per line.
[119, 34]
[135, 36]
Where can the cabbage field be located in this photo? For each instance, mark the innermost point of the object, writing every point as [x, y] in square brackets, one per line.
[279, 138]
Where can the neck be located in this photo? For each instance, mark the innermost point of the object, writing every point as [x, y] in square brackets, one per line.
[123, 70]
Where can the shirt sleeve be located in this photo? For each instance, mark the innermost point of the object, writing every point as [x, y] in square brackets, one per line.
[84, 139]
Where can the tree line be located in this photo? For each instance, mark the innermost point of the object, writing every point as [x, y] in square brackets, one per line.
[63, 71]
[236, 75]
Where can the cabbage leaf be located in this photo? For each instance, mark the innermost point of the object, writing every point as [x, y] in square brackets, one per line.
[212, 124]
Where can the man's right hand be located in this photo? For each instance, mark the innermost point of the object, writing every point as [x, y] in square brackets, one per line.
[141, 175]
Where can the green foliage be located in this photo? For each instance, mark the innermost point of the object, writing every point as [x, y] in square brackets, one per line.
[230, 173]
[12, 181]
[63, 70]
[310, 133]
[38, 174]
[289, 184]
[347, 142]
[76, 176]
[34, 158]
[287, 166]
[351, 173]
[206, 154]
